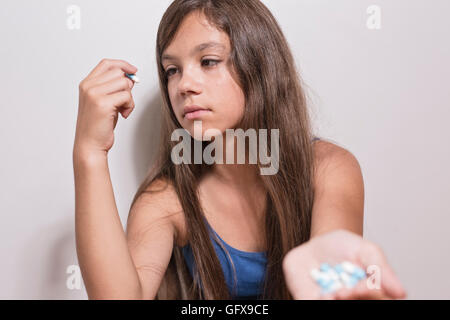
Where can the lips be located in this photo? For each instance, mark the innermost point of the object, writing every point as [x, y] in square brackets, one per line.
[190, 109]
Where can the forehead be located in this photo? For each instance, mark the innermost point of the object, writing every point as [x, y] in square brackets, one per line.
[196, 34]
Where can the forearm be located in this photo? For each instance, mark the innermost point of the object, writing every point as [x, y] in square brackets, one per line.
[106, 265]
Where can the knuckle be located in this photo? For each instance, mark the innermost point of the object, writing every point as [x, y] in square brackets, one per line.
[90, 93]
[118, 72]
[84, 85]
[125, 82]
[101, 102]
[104, 61]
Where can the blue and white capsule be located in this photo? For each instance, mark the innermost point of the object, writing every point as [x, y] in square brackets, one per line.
[132, 77]
[324, 267]
[331, 287]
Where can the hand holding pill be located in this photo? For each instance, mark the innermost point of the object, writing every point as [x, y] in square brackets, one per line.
[104, 93]
[334, 266]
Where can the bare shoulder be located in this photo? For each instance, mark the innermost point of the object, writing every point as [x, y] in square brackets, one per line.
[339, 186]
[337, 172]
[335, 166]
[159, 203]
[329, 155]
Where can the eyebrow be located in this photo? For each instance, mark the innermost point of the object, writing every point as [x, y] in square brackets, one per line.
[199, 48]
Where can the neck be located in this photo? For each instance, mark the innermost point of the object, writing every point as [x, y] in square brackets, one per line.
[240, 182]
[236, 174]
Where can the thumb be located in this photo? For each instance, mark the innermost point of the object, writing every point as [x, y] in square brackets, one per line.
[372, 255]
[116, 117]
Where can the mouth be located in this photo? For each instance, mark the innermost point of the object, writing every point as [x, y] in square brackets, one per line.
[192, 112]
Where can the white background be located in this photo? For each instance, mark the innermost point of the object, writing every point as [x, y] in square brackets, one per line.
[382, 94]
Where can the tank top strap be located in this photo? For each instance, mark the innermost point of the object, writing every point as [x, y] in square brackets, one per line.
[232, 249]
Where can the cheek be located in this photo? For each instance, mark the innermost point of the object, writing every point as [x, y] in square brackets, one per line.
[173, 100]
[171, 93]
[231, 97]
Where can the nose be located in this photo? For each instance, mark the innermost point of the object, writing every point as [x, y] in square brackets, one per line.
[190, 82]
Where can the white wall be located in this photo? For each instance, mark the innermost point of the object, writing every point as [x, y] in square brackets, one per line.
[383, 94]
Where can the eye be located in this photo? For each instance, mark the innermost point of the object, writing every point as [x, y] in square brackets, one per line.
[206, 62]
[215, 62]
[168, 72]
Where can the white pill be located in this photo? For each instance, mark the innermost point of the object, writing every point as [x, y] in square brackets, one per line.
[346, 279]
[135, 78]
[315, 274]
[325, 276]
[348, 267]
[336, 285]
[333, 274]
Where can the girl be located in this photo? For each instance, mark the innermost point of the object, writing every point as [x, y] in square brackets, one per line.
[218, 231]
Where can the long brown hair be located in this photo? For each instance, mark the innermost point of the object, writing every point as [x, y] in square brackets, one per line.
[274, 99]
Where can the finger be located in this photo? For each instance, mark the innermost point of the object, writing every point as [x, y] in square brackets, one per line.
[344, 294]
[363, 292]
[328, 296]
[355, 295]
[116, 117]
[122, 101]
[112, 74]
[106, 64]
[359, 292]
[372, 255]
[128, 111]
[349, 293]
[115, 85]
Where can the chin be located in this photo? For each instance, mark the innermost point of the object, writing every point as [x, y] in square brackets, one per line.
[210, 135]
[203, 130]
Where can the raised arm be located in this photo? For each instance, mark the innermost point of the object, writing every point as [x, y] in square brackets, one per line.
[105, 259]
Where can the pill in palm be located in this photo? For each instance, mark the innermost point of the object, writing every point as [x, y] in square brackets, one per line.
[338, 268]
[335, 285]
[359, 273]
[324, 267]
[324, 283]
[315, 274]
[333, 274]
[348, 280]
[345, 278]
[331, 278]
[348, 267]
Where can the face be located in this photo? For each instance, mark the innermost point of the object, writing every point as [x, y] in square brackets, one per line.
[196, 65]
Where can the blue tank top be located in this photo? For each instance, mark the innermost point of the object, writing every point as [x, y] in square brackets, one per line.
[250, 266]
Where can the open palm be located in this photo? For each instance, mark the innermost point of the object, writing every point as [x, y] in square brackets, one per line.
[335, 247]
